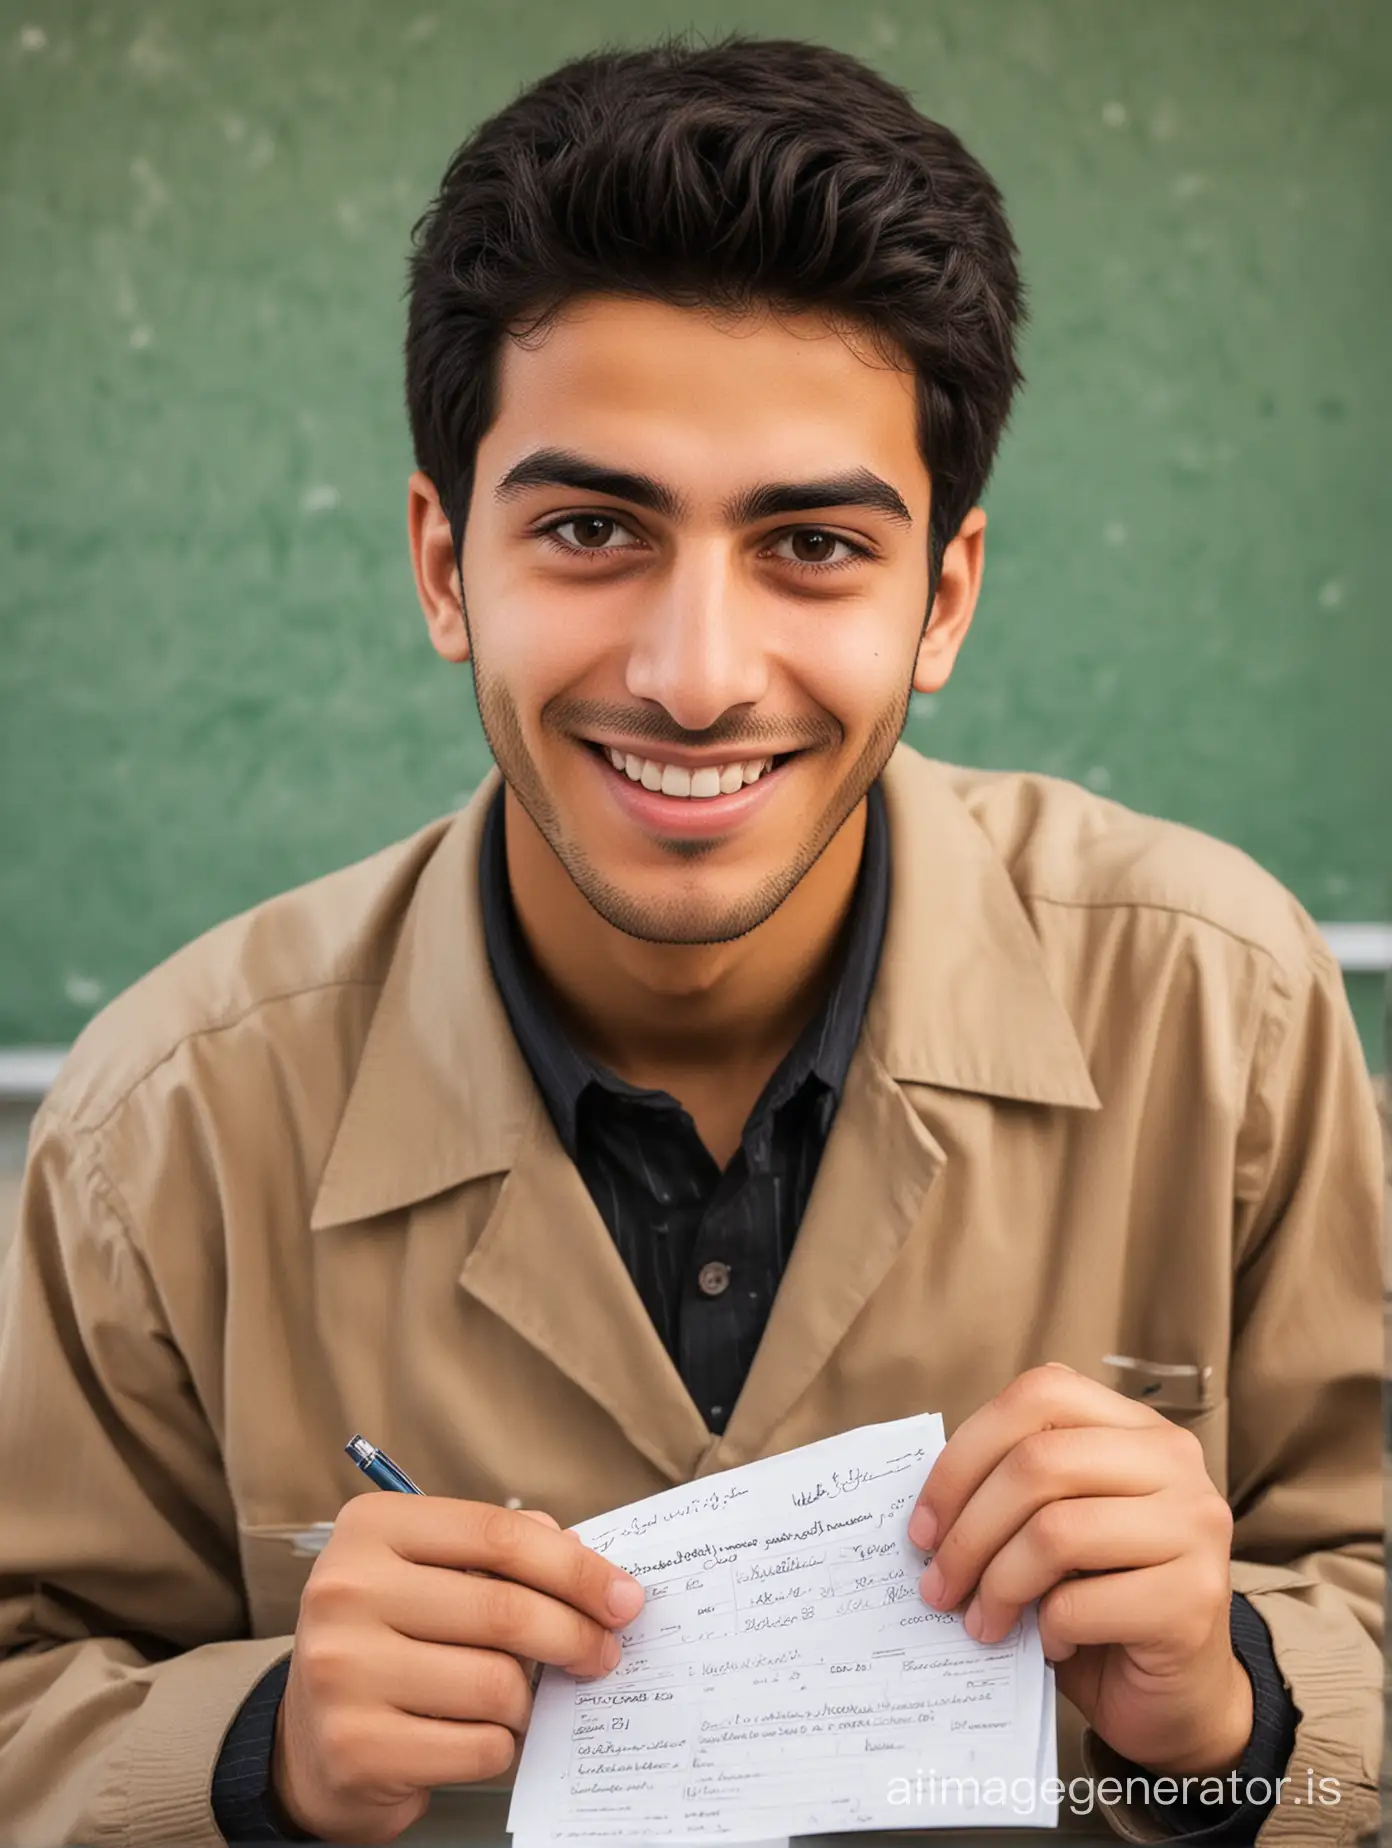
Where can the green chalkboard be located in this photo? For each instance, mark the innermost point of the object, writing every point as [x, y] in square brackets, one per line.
[214, 681]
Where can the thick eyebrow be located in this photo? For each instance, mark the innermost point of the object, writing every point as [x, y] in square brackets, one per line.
[562, 468]
[858, 488]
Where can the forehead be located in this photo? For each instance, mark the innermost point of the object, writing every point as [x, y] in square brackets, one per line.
[707, 399]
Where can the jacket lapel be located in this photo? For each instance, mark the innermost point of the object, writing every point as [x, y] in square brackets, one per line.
[443, 1096]
[878, 1164]
[547, 1266]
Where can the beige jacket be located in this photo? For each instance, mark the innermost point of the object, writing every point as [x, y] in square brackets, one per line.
[298, 1182]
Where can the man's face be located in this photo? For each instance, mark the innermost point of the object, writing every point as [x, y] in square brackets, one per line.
[695, 571]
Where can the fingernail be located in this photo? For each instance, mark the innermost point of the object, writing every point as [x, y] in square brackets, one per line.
[972, 1621]
[923, 1527]
[609, 1655]
[931, 1584]
[625, 1598]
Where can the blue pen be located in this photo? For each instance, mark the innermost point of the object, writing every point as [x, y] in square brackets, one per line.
[378, 1466]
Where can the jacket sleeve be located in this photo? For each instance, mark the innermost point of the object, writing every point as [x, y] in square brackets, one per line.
[1305, 1396]
[124, 1653]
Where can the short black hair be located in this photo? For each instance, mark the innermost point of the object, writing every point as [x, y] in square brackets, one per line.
[726, 175]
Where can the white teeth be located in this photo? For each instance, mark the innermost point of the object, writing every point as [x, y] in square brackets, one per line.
[675, 780]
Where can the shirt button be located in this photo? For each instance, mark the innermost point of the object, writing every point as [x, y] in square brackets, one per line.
[713, 1278]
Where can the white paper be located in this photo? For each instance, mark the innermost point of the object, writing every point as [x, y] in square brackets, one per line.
[784, 1676]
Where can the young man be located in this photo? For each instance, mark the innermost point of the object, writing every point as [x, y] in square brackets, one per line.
[724, 1076]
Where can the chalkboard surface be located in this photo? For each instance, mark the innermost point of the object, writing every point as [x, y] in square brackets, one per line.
[214, 678]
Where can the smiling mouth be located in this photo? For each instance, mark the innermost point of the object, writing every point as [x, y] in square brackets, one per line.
[699, 785]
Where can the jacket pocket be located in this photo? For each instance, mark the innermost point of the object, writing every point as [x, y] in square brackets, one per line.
[276, 1561]
[1184, 1393]
[1255, 1576]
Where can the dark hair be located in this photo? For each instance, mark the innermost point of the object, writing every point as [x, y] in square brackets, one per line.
[751, 170]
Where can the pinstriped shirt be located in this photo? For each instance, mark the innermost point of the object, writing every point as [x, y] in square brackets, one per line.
[706, 1248]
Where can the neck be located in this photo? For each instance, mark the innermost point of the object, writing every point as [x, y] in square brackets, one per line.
[682, 1016]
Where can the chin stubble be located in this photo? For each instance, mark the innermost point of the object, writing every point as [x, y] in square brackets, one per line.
[676, 922]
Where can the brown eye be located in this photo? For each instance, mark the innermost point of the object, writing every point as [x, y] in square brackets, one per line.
[592, 530]
[811, 547]
[814, 546]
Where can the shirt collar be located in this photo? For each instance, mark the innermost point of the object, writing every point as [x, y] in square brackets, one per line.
[564, 1072]
[962, 999]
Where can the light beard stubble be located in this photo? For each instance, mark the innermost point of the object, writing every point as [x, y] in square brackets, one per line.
[674, 924]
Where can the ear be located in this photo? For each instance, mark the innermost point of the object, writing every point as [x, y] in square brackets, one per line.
[436, 571]
[954, 604]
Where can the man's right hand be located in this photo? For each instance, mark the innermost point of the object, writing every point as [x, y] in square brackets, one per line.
[407, 1670]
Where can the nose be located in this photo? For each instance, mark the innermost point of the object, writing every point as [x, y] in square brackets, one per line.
[698, 650]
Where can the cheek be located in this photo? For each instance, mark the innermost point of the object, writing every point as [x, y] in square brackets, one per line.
[528, 631]
[854, 664]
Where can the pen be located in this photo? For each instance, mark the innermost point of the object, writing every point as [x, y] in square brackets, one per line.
[378, 1466]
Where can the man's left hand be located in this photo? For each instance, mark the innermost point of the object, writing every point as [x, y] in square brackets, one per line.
[1062, 1490]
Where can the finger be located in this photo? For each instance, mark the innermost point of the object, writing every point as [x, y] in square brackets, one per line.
[1033, 1401]
[1043, 1467]
[1087, 1534]
[433, 1605]
[395, 1751]
[532, 1669]
[453, 1683]
[1163, 1615]
[431, 1530]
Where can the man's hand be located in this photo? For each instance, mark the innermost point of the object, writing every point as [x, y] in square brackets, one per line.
[1062, 1490]
[408, 1665]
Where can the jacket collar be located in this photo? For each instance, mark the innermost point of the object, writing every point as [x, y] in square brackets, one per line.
[962, 1000]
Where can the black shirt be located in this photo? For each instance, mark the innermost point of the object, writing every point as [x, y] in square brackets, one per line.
[706, 1251]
